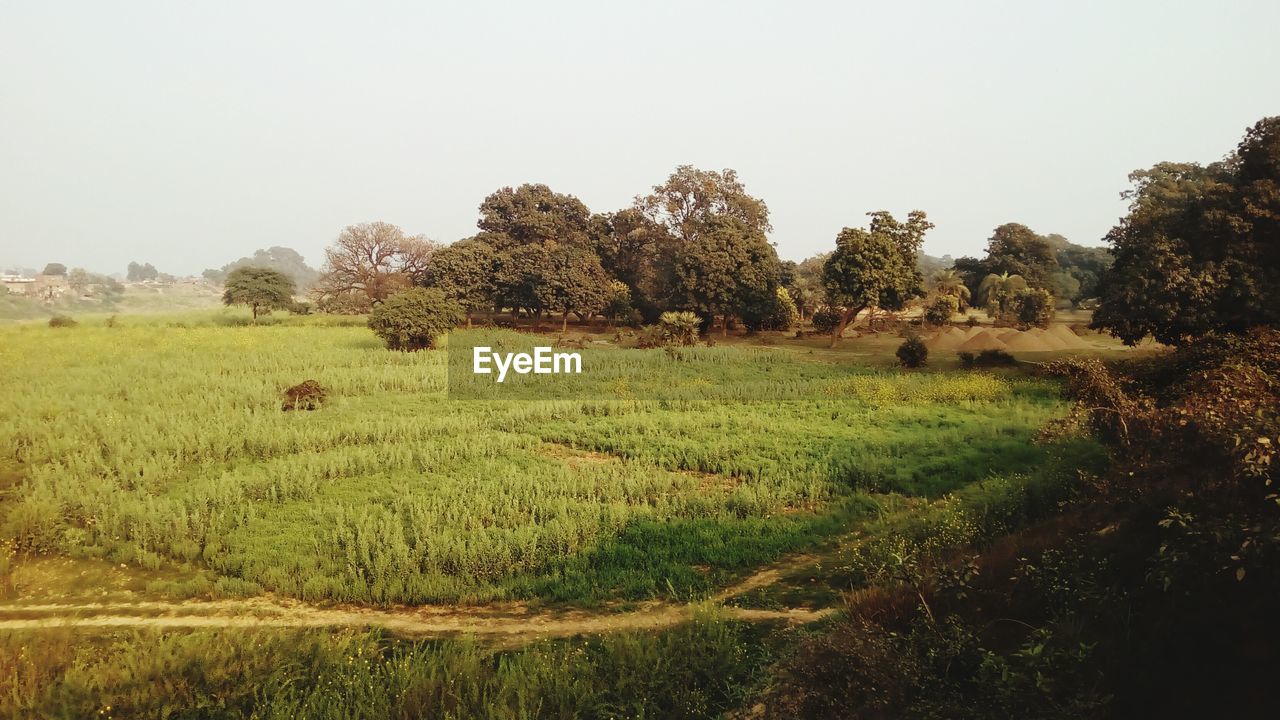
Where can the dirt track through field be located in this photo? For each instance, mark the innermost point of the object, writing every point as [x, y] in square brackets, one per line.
[505, 623]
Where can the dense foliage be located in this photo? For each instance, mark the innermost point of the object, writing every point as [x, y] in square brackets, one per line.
[262, 289]
[415, 319]
[1200, 248]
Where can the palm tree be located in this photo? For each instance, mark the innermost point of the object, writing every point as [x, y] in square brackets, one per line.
[995, 291]
[949, 282]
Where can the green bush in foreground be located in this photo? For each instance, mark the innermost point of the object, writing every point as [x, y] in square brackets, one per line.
[414, 319]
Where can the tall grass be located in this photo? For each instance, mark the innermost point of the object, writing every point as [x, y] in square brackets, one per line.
[160, 443]
[696, 670]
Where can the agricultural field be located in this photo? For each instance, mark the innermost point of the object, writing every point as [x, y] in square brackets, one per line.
[151, 474]
[160, 444]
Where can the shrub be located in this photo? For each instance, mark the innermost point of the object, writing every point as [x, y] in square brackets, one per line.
[300, 308]
[940, 309]
[413, 319]
[825, 320]
[1032, 307]
[307, 395]
[972, 320]
[58, 321]
[912, 352]
[986, 358]
[784, 314]
[344, 304]
[619, 305]
[679, 328]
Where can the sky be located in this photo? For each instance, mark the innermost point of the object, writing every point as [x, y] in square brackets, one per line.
[189, 134]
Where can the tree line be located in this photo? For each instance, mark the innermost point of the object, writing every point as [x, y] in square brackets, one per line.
[1197, 252]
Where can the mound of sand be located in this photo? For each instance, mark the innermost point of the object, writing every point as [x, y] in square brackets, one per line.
[1027, 342]
[978, 338]
[982, 340]
[946, 339]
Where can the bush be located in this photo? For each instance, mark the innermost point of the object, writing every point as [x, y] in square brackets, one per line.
[679, 328]
[344, 304]
[986, 358]
[307, 395]
[300, 308]
[784, 314]
[59, 321]
[912, 353]
[413, 319]
[825, 320]
[940, 309]
[972, 320]
[1032, 307]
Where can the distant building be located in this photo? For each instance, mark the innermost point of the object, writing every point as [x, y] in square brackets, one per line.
[17, 284]
[48, 287]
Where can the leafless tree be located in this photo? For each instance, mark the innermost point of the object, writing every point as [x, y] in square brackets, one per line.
[374, 260]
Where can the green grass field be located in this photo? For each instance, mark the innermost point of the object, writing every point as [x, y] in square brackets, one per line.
[158, 442]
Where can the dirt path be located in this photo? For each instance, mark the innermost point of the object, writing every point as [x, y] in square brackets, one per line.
[506, 623]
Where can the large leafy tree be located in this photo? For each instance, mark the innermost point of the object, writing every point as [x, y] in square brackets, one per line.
[691, 198]
[571, 280]
[804, 283]
[875, 267]
[138, 272]
[283, 259]
[533, 214]
[373, 260]
[1016, 249]
[728, 268]
[627, 242]
[262, 289]
[465, 273]
[525, 225]
[1199, 250]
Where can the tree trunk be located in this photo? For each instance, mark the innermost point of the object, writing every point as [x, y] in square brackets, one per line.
[849, 316]
[564, 322]
[468, 321]
[724, 325]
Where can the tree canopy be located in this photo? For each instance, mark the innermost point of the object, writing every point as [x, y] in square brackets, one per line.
[262, 289]
[875, 267]
[1199, 250]
[282, 259]
[372, 260]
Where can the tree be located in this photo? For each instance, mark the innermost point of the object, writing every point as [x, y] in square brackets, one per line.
[691, 198]
[55, 269]
[525, 225]
[996, 292]
[262, 289]
[533, 214]
[414, 319]
[948, 282]
[727, 268]
[373, 260]
[940, 310]
[619, 303]
[1031, 307]
[627, 242]
[571, 280]
[140, 273]
[1016, 249]
[282, 259]
[464, 272]
[1199, 251]
[805, 285]
[875, 267]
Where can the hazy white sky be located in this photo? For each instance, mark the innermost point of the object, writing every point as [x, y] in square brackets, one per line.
[188, 134]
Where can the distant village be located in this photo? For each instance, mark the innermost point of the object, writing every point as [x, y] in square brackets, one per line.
[55, 282]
